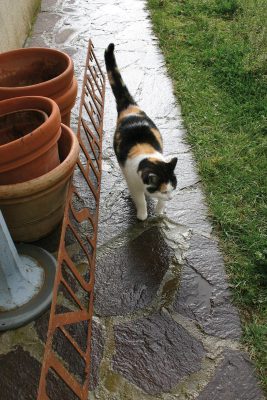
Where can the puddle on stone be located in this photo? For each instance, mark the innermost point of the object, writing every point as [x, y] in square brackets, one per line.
[129, 276]
[168, 292]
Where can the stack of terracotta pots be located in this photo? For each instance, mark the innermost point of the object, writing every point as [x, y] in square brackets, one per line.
[38, 150]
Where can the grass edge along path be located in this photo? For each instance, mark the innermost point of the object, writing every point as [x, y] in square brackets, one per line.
[214, 52]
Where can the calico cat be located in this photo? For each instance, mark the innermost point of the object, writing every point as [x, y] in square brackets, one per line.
[138, 147]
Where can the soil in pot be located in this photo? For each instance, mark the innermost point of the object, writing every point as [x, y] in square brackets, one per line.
[17, 124]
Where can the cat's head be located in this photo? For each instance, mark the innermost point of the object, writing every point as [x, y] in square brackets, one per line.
[158, 177]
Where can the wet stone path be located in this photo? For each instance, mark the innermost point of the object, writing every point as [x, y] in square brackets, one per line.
[164, 326]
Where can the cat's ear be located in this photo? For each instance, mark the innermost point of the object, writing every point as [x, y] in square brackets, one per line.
[173, 163]
[153, 179]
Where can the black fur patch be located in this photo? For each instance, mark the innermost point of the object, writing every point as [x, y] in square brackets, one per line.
[135, 129]
[120, 91]
[164, 171]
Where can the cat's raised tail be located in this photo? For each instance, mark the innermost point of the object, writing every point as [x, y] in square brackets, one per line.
[120, 91]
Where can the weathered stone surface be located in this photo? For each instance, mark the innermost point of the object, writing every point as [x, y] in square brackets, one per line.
[56, 388]
[156, 105]
[38, 40]
[188, 208]
[61, 345]
[45, 22]
[169, 136]
[128, 277]
[117, 211]
[97, 351]
[71, 52]
[203, 294]
[203, 254]
[19, 375]
[48, 5]
[63, 35]
[67, 353]
[234, 379]
[41, 326]
[186, 171]
[155, 353]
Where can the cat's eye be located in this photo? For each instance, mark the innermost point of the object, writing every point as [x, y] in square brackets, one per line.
[152, 179]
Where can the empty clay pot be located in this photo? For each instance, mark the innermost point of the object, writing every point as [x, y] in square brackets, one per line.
[34, 208]
[17, 124]
[39, 72]
[28, 138]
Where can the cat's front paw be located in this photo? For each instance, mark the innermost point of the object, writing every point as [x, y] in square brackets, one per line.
[142, 216]
[159, 210]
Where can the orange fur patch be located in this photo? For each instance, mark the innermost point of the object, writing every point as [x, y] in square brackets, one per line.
[141, 148]
[110, 78]
[154, 160]
[157, 135]
[128, 111]
[117, 141]
[163, 187]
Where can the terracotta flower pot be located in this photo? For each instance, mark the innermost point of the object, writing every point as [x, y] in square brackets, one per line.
[33, 149]
[34, 208]
[17, 124]
[39, 72]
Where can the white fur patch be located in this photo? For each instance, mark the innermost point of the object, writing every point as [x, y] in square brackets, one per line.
[137, 187]
[131, 166]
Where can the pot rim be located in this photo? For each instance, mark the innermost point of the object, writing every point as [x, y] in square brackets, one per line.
[27, 109]
[49, 179]
[66, 101]
[66, 76]
[41, 112]
[50, 124]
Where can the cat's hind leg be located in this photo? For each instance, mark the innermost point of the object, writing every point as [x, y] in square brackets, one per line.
[136, 189]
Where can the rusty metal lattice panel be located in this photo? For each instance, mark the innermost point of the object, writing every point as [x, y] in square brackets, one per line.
[66, 364]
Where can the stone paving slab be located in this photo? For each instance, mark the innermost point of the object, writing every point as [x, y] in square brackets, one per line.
[233, 379]
[137, 276]
[164, 326]
[155, 352]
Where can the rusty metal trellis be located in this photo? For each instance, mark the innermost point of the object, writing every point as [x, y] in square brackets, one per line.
[66, 364]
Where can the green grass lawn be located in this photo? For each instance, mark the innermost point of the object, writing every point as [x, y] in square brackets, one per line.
[215, 51]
